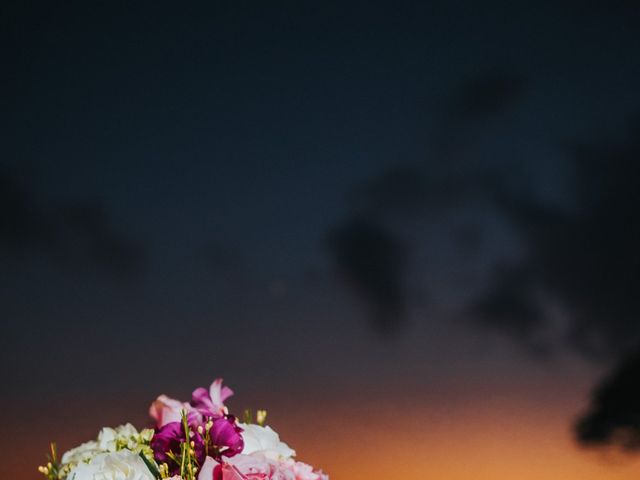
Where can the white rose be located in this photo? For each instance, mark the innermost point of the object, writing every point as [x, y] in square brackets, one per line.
[126, 430]
[82, 453]
[122, 465]
[108, 438]
[265, 441]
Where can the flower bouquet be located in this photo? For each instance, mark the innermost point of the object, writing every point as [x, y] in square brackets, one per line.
[198, 440]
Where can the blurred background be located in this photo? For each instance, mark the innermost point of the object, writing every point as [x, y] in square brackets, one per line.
[408, 229]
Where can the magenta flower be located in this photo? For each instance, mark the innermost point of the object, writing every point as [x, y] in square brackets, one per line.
[168, 439]
[224, 439]
[225, 436]
[211, 403]
[212, 430]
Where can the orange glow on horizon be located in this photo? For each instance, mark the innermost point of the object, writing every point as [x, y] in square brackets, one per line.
[491, 438]
[492, 441]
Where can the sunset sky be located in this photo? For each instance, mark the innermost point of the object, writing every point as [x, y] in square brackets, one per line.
[408, 229]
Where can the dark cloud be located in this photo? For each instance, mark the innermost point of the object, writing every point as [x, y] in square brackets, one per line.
[75, 235]
[478, 101]
[587, 257]
[407, 191]
[372, 260]
[84, 231]
[512, 307]
[487, 95]
[400, 188]
[580, 254]
[613, 417]
[369, 252]
[21, 223]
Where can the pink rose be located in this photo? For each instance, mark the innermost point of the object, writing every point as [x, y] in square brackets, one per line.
[258, 467]
[208, 469]
[255, 467]
[303, 471]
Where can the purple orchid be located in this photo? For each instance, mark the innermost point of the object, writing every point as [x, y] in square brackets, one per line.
[212, 430]
[224, 433]
[168, 439]
[225, 436]
[211, 403]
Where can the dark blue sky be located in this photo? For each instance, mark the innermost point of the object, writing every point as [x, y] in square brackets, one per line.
[240, 135]
[180, 178]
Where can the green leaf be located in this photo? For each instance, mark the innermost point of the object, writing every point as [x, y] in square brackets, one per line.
[151, 466]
